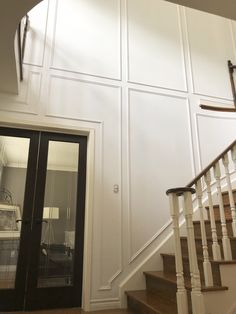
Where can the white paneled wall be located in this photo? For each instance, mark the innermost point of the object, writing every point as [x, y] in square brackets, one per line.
[35, 44]
[155, 44]
[133, 72]
[211, 46]
[81, 48]
[153, 160]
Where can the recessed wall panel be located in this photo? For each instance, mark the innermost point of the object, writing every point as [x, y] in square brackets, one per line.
[212, 141]
[160, 158]
[211, 46]
[87, 37]
[100, 104]
[35, 37]
[155, 44]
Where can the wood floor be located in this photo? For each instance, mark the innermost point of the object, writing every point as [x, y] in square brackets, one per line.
[72, 311]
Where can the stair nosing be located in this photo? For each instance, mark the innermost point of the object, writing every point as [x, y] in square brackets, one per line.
[210, 238]
[187, 286]
[129, 294]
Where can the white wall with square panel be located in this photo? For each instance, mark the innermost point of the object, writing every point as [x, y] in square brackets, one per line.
[135, 72]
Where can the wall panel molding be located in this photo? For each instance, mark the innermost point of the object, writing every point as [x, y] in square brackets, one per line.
[36, 36]
[220, 67]
[148, 243]
[104, 101]
[182, 55]
[28, 99]
[133, 255]
[211, 117]
[110, 281]
[87, 73]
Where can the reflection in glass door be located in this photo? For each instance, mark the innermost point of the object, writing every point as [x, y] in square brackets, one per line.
[56, 265]
[14, 153]
[42, 203]
[59, 216]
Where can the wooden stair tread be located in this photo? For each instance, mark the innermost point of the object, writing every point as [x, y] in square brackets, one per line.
[226, 192]
[157, 304]
[160, 294]
[170, 277]
[217, 206]
[209, 238]
[208, 221]
[222, 262]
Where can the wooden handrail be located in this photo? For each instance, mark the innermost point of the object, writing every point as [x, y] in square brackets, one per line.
[222, 109]
[22, 43]
[204, 171]
[231, 69]
[20, 51]
[24, 35]
[180, 191]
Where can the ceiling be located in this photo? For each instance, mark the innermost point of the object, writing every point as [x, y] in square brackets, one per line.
[12, 11]
[61, 156]
[225, 8]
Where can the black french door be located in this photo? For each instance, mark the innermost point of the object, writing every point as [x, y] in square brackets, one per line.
[42, 201]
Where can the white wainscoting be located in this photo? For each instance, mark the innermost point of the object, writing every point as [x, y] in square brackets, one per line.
[154, 156]
[134, 72]
[79, 47]
[36, 35]
[155, 46]
[209, 130]
[211, 46]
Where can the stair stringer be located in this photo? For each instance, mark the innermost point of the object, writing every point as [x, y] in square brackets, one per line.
[136, 280]
[218, 302]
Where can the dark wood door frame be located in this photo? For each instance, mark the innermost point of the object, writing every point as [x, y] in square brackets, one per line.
[14, 299]
[29, 296]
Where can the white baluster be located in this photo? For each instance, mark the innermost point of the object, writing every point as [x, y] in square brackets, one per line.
[206, 263]
[215, 245]
[225, 238]
[225, 161]
[233, 154]
[198, 306]
[181, 295]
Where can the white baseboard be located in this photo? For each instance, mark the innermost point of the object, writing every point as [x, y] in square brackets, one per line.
[105, 304]
[6, 268]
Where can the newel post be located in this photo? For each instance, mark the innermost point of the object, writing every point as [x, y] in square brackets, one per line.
[181, 295]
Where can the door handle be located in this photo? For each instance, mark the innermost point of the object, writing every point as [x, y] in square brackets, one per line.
[40, 221]
[24, 221]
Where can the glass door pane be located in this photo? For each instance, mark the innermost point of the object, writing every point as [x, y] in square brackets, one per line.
[57, 243]
[14, 153]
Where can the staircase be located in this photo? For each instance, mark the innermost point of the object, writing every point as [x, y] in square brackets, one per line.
[208, 246]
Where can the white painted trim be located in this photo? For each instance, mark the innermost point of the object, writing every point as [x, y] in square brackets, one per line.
[149, 242]
[7, 268]
[40, 65]
[105, 304]
[109, 285]
[166, 225]
[169, 233]
[88, 223]
[182, 51]
[118, 78]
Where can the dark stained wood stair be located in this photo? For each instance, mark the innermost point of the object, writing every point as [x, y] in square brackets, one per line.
[160, 294]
